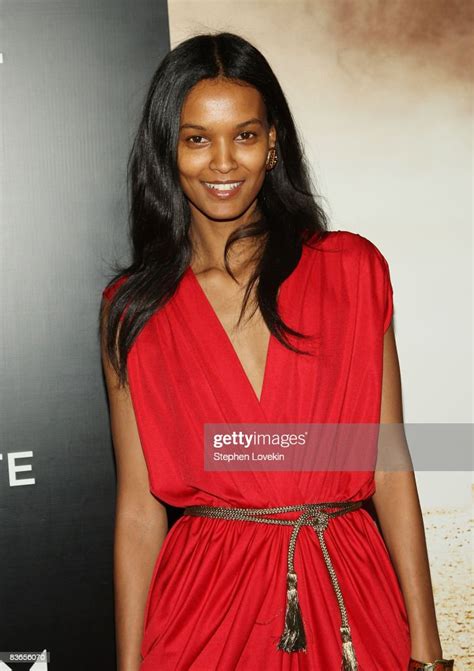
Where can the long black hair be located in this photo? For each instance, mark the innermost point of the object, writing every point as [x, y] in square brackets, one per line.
[160, 215]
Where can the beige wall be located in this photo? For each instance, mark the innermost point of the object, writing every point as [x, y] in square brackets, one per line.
[381, 96]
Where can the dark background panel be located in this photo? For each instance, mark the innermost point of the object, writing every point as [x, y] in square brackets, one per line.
[73, 79]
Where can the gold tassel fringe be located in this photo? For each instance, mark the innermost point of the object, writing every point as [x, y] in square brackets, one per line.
[349, 661]
[293, 638]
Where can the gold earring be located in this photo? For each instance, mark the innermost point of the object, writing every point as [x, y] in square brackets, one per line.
[272, 159]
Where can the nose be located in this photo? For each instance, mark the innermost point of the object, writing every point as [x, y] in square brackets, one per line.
[223, 159]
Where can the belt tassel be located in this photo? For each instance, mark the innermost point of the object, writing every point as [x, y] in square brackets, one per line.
[349, 661]
[293, 638]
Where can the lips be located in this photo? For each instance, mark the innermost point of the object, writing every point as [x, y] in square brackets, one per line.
[223, 190]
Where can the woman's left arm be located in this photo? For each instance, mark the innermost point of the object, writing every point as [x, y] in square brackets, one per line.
[398, 510]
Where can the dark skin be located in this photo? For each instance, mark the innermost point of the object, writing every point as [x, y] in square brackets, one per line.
[234, 146]
[219, 106]
[229, 151]
[398, 510]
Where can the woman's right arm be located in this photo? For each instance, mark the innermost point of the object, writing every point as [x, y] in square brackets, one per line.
[141, 522]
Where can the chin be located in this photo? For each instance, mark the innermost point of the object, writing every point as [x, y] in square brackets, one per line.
[224, 211]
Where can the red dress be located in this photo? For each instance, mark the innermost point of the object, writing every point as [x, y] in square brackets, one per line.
[217, 597]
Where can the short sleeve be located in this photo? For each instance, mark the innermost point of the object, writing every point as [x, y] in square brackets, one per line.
[388, 295]
[111, 289]
[376, 284]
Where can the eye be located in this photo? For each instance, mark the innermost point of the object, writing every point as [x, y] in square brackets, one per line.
[192, 139]
[248, 133]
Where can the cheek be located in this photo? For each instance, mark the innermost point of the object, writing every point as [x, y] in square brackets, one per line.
[253, 161]
[190, 165]
[254, 167]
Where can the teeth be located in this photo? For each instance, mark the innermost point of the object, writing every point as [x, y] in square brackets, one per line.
[223, 187]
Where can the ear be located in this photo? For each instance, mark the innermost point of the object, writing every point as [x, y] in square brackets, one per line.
[272, 136]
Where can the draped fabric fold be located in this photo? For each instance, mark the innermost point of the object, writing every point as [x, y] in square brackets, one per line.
[215, 601]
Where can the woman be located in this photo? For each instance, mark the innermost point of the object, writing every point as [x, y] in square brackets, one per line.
[240, 306]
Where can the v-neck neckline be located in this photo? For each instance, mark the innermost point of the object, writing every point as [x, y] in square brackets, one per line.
[226, 339]
[227, 353]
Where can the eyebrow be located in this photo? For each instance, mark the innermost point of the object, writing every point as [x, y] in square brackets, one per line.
[239, 125]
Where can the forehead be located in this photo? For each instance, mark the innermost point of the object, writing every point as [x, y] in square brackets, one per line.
[213, 101]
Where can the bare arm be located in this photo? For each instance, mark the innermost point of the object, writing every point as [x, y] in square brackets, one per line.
[398, 509]
[140, 524]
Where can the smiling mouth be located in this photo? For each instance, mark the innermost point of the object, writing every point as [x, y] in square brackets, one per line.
[223, 186]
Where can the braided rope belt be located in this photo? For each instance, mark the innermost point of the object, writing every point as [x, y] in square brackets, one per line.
[315, 515]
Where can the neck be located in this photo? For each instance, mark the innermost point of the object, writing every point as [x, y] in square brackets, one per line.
[208, 238]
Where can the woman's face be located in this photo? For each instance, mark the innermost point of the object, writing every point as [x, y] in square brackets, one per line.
[224, 141]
